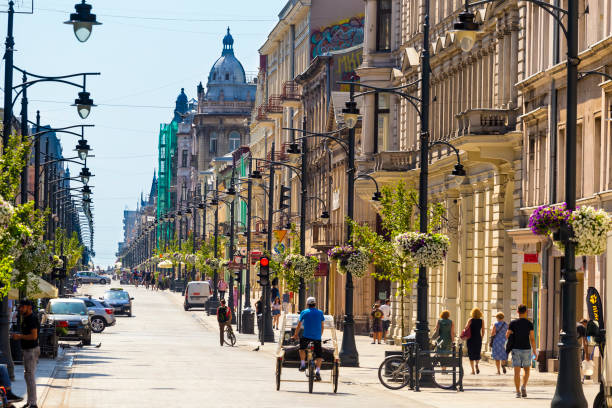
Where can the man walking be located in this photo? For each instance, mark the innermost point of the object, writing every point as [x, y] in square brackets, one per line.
[522, 342]
[29, 344]
[313, 321]
[224, 317]
[386, 320]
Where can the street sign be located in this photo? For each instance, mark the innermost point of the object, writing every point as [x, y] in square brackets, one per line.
[280, 235]
[234, 266]
[323, 270]
[530, 258]
[279, 248]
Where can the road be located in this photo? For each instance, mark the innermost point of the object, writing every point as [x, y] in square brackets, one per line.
[164, 356]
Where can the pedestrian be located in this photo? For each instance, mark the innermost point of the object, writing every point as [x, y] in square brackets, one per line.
[498, 343]
[581, 330]
[224, 317]
[386, 320]
[377, 328]
[274, 292]
[313, 321]
[276, 311]
[222, 287]
[286, 300]
[259, 312]
[444, 332]
[521, 341]
[474, 342]
[29, 344]
[5, 381]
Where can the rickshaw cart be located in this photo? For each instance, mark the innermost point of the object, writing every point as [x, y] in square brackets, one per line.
[287, 353]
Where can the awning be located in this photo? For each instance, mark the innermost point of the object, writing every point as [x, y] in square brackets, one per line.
[38, 288]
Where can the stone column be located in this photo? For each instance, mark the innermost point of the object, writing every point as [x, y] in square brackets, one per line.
[452, 257]
[367, 131]
[369, 33]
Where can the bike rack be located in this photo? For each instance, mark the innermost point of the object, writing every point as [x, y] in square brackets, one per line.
[423, 364]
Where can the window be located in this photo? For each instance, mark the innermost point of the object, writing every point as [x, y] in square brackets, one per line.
[213, 143]
[184, 158]
[381, 125]
[227, 77]
[383, 25]
[234, 140]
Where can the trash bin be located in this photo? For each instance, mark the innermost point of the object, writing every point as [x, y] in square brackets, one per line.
[248, 321]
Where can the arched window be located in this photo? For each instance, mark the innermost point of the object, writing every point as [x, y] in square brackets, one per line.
[234, 140]
[213, 143]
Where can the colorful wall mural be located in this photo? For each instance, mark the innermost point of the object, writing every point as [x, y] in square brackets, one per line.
[338, 36]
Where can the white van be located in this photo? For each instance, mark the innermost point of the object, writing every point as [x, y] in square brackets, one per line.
[197, 294]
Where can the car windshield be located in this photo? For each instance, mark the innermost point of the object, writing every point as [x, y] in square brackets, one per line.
[71, 308]
[117, 295]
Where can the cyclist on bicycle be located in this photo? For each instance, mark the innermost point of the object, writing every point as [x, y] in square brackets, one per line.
[224, 317]
[313, 321]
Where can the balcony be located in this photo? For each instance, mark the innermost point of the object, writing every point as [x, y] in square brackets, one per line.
[486, 122]
[274, 108]
[262, 113]
[396, 161]
[326, 236]
[279, 155]
[291, 95]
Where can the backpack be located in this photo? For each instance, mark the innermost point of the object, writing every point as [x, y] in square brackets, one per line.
[222, 314]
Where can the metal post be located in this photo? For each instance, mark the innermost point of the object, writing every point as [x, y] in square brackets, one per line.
[247, 313]
[422, 325]
[349, 357]
[6, 125]
[302, 291]
[195, 242]
[37, 163]
[24, 136]
[268, 332]
[230, 302]
[569, 391]
[214, 302]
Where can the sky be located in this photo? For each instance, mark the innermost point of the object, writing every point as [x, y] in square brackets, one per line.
[146, 51]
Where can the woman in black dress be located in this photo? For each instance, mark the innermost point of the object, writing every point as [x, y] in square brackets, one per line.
[474, 343]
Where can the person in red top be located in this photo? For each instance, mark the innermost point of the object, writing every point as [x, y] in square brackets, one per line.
[224, 317]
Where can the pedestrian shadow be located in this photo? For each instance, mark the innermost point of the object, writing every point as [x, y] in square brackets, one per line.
[317, 393]
[89, 375]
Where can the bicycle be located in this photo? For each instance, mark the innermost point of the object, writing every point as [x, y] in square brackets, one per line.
[398, 371]
[230, 337]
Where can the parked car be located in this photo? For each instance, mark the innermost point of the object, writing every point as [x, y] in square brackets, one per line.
[197, 294]
[91, 277]
[103, 316]
[71, 319]
[120, 300]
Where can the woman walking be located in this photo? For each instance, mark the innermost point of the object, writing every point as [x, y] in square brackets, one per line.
[276, 311]
[474, 343]
[445, 330]
[377, 327]
[498, 343]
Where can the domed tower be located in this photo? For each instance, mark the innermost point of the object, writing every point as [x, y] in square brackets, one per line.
[227, 79]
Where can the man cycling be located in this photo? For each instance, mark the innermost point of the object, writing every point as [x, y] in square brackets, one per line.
[313, 321]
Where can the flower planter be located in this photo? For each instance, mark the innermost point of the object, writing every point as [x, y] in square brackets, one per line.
[350, 259]
[427, 250]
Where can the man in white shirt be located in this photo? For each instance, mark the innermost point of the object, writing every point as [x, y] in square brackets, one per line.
[386, 320]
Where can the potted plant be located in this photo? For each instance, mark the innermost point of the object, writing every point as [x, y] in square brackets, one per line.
[350, 259]
[424, 249]
[303, 266]
[546, 220]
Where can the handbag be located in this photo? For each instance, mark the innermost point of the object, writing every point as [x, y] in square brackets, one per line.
[510, 343]
[491, 340]
[467, 332]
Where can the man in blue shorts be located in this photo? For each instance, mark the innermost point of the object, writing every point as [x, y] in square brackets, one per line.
[313, 321]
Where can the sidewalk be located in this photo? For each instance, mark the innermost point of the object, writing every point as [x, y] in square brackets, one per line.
[489, 386]
[45, 372]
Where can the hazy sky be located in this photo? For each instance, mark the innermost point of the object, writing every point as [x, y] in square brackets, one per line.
[146, 51]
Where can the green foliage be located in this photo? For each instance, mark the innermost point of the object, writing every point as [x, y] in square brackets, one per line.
[71, 248]
[12, 161]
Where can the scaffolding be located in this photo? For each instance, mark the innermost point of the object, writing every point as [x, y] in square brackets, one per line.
[167, 148]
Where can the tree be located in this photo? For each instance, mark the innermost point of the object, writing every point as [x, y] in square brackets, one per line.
[399, 214]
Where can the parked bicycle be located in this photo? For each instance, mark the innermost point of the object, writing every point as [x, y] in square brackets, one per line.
[229, 338]
[414, 366]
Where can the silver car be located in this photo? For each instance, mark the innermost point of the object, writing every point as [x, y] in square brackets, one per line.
[103, 315]
[91, 277]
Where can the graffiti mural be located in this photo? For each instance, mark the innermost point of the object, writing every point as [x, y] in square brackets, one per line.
[344, 34]
[344, 65]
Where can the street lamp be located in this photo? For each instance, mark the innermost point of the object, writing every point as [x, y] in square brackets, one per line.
[568, 392]
[82, 21]
[83, 104]
[83, 149]
[85, 175]
[86, 192]
[466, 29]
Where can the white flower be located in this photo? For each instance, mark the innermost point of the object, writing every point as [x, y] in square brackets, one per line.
[424, 249]
[590, 228]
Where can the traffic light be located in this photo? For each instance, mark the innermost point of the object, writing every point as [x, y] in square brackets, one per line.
[238, 276]
[284, 196]
[264, 271]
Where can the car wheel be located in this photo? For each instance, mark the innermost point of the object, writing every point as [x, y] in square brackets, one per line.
[186, 307]
[129, 313]
[103, 281]
[87, 340]
[97, 324]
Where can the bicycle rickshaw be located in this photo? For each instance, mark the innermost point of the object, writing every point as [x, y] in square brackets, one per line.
[287, 353]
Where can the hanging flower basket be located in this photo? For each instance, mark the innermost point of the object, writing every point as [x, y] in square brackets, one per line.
[214, 263]
[589, 225]
[349, 259]
[303, 266]
[165, 264]
[6, 212]
[545, 219]
[190, 259]
[427, 250]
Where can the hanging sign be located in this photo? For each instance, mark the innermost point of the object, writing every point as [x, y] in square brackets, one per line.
[595, 306]
[530, 258]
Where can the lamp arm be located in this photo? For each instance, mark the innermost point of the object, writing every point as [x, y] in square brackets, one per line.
[341, 142]
[413, 100]
[367, 176]
[441, 142]
[295, 169]
[318, 198]
[587, 73]
[549, 8]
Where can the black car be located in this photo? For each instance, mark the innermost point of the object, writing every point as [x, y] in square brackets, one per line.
[71, 319]
[119, 300]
